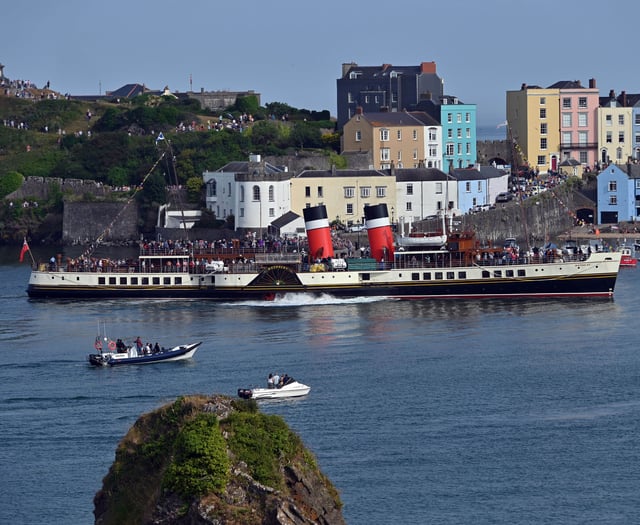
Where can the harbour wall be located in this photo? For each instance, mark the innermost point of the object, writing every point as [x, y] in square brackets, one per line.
[85, 222]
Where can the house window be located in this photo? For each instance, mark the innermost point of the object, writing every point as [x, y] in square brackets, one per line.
[543, 101]
[543, 143]
[619, 154]
[384, 135]
[458, 118]
[543, 112]
[350, 208]
[543, 128]
[385, 154]
[358, 136]
[433, 151]
[583, 157]
[432, 134]
[621, 120]
[399, 155]
[381, 192]
[212, 188]
[582, 137]
[582, 120]
[467, 117]
[349, 192]
[613, 200]
[613, 185]
[241, 193]
[479, 186]
[450, 118]
[542, 160]
[609, 137]
[468, 133]
[415, 134]
[449, 133]
[271, 192]
[566, 103]
[459, 133]
[409, 189]
[582, 102]
[621, 136]
[459, 148]
[468, 148]
[415, 154]
[320, 192]
[241, 212]
[307, 192]
[365, 192]
[566, 120]
[566, 138]
[256, 193]
[467, 187]
[408, 206]
[450, 148]
[399, 134]
[637, 118]
[439, 187]
[608, 120]
[272, 212]
[637, 138]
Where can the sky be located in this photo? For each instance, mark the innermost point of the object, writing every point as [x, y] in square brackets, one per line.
[293, 51]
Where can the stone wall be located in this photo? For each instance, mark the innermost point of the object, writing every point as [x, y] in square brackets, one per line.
[41, 187]
[84, 222]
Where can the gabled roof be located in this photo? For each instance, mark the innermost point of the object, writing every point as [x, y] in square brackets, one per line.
[309, 174]
[399, 118]
[570, 162]
[419, 174]
[567, 84]
[485, 172]
[128, 91]
[631, 170]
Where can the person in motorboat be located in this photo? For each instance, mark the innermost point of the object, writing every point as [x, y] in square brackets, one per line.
[270, 383]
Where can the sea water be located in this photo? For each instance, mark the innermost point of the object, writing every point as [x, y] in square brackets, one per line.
[437, 411]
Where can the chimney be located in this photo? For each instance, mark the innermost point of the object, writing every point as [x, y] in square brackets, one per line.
[623, 94]
[347, 66]
[359, 110]
[428, 67]
[523, 86]
[592, 83]
[612, 94]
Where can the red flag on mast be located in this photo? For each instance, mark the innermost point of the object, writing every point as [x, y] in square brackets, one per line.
[25, 249]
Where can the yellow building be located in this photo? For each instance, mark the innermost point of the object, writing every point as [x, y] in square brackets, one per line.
[533, 116]
[615, 136]
[398, 139]
[345, 193]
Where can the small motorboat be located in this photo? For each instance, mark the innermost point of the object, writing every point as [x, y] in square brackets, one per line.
[289, 388]
[131, 355]
[627, 258]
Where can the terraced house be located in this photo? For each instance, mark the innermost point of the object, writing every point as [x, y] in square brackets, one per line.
[399, 139]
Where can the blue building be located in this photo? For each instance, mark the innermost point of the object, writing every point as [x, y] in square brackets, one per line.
[619, 193]
[479, 186]
[458, 121]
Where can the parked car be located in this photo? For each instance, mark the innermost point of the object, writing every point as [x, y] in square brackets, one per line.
[357, 228]
[504, 197]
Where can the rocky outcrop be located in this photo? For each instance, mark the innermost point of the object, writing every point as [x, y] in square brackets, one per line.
[215, 460]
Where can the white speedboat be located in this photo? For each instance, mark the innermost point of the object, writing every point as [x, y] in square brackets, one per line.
[132, 357]
[291, 389]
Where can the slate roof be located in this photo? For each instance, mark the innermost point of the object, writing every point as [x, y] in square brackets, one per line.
[285, 219]
[419, 174]
[243, 167]
[567, 84]
[400, 118]
[485, 172]
[309, 174]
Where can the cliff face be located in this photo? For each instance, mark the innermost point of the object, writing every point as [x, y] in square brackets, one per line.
[216, 461]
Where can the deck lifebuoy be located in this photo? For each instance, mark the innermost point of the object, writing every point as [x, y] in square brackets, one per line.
[112, 345]
[97, 345]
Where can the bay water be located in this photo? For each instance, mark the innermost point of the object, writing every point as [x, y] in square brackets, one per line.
[438, 411]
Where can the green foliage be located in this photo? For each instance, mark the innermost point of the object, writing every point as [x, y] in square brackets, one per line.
[264, 443]
[279, 109]
[10, 183]
[248, 104]
[154, 190]
[304, 135]
[201, 464]
[117, 176]
[194, 189]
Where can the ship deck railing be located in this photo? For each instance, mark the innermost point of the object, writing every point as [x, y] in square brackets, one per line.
[239, 265]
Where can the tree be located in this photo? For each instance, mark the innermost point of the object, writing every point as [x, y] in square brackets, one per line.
[10, 183]
[194, 189]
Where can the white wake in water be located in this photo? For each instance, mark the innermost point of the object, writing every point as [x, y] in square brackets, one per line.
[301, 299]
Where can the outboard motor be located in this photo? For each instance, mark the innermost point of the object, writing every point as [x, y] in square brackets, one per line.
[316, 222]
[379, 232]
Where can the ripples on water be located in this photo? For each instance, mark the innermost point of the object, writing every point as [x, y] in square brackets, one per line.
[420, 412]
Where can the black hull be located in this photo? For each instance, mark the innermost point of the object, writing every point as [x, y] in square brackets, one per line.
[576, 286]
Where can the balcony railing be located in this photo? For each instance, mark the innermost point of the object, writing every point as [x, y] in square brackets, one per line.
[578, 145]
